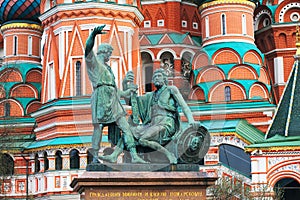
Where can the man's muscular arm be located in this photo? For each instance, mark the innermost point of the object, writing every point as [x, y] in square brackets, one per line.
[91, 39]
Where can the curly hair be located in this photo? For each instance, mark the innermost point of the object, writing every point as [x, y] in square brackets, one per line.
[163, 72]
[104, 48]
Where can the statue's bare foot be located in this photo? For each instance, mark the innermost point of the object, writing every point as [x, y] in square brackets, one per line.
[137, 159]
[109, 158]
[172, 158]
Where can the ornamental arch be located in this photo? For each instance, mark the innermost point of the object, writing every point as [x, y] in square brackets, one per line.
[200, 60]
[197, 94]
[210, 73]
[226, 56]
[11, 75]
[242, 72]
[258, 90]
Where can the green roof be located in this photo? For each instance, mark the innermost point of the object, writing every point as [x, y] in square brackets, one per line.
[16, 120]
[64, 141]
[278, 141]
[240, 126]
[177, 38]
[16, 142]
[287, 116]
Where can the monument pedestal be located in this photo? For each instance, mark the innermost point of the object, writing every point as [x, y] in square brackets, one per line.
[126, 185]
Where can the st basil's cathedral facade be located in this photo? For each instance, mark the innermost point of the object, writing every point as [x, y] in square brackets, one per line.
[235, 62]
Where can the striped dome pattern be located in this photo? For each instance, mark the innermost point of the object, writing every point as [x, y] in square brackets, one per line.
[19, 10]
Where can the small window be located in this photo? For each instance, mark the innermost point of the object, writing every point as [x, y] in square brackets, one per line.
[266, 22]
[58, 160]
[160, 22]
[223, 18]
[15, 49]
[295, 17]
[147, 24]
[46, 161]
[29, 45]
[8, 168]
[184, 23]
[78, 78]
[206, 27]
[6, 109]
[227, 93]
[244, 25]
[37, 166]
[74, 159]
[195, 25]
[89, 156]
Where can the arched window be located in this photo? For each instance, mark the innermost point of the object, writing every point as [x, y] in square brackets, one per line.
[227, 93]
[290, 187]
[58, 160]
[89, 156]
[223, 25]
[37, 167]
[15, 47]
[78, 78]
[74, 159]
[6, 109]
[235, 158]
[244, 25]
[147, 71]
[46, 161]
[7, 169]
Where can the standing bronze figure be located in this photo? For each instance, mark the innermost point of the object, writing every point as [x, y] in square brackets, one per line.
[105, 101]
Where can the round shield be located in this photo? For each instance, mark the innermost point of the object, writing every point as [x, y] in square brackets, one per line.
[192, 145]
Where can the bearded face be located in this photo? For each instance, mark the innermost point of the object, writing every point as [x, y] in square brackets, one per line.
[158, 80]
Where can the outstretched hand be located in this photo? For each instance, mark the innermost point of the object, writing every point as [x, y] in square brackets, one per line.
[99, 30]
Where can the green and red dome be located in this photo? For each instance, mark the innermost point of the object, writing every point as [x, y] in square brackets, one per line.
[19, 10]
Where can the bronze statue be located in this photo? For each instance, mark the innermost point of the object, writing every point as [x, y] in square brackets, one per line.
[158, 111]
[105, 101]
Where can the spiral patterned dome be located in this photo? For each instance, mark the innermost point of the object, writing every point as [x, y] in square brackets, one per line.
[19, 10]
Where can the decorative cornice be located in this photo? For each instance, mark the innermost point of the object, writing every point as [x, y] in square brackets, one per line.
[218, 2]
[94, 9]
[276, 149]
[21, 25]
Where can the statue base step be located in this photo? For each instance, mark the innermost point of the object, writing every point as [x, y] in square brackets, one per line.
[128, 185]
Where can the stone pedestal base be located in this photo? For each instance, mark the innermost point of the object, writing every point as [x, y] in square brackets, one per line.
[142, 185]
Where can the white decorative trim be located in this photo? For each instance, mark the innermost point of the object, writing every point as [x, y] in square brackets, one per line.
[166, 50]
[278, 70]
[286, 8]
[148, 51]
[218, 37]
[91, 5]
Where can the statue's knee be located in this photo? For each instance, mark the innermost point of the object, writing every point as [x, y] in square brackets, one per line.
[142, 141]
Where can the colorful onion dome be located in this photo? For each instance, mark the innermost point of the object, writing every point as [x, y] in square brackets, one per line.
[19, 9]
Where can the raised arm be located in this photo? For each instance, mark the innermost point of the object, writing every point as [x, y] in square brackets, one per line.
[91, 39]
